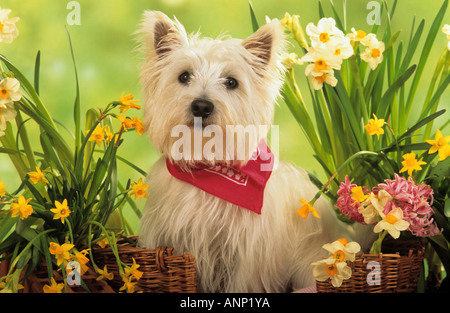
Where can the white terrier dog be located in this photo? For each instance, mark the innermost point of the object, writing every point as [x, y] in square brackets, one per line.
[225, 82]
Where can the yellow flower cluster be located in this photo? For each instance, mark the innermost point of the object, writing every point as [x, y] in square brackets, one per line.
[130, 277]
[103, 133]
[63, 255]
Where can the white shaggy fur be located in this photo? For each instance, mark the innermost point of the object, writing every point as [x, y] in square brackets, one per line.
[236, 250]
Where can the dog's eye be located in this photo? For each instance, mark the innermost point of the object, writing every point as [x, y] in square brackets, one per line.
[231, 83]
[184, 78]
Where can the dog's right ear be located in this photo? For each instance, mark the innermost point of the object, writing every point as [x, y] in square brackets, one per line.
[161, 35]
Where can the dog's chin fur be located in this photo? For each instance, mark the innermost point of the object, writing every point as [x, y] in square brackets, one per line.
[236, 250]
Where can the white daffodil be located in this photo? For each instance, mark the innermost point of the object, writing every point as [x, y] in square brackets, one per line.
[356, 35]
[324, 31]
[318, 78]
[7, 114]
[8, 29]
[328, 268]
[374, 51]
[341, 250]
[446, 30]
[321, 59]
[9, 91]
[372, 207]
[341, 47]
[393, 222]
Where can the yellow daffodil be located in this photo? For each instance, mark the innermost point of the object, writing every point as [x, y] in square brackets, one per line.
[139, 189]
[132, 271]
[98, 135]
[358, 194]
[128, 285]
[411, 164]
[330, 269]
[103, 243]
[109, 135]
[444, 153]
[61, 211]
[80, 257]
[439, 143]
[37, 176]
[8, 29]
[104, 274]
[393, 222]
[127, 123]
[2, 188]
[21, 208]
[375, 126]
[54, 287]
[60, 252]
[306, 209]
[9, 91]
[138, 125]
[127, 102]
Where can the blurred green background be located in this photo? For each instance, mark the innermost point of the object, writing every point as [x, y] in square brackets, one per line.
[108, 64]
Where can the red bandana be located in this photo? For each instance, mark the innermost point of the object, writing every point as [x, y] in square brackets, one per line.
[240, 185]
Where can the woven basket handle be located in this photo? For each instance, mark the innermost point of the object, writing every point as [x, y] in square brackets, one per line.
[161, 253]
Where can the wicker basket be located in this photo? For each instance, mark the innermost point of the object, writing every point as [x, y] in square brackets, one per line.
[400, 265]
[163, 270]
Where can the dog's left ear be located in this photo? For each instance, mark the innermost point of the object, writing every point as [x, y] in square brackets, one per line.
[265, 45]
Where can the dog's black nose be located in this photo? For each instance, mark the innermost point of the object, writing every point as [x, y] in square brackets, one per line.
[202, 108]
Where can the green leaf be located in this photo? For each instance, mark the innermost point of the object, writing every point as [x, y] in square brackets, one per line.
[420, 124]
[255, 25]
[437, 95]
[37, 67]
[388, 96]
[434, 29]
[76, 109]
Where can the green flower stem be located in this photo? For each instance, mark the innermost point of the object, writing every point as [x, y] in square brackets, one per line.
[328, 124]
[69, 225]
[25, 140]
[362, 101]
[376, 246]
[299, 111]
[112, 244]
